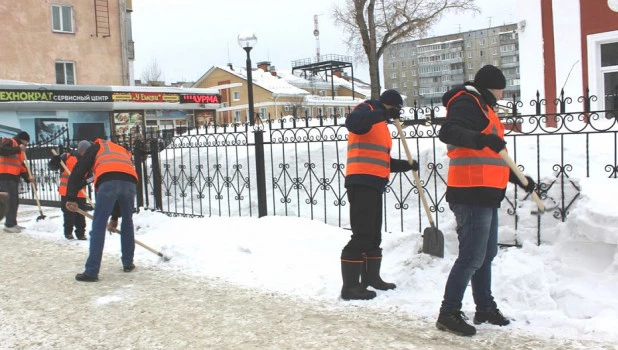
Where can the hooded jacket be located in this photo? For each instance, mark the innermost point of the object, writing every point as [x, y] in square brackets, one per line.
[463, 126]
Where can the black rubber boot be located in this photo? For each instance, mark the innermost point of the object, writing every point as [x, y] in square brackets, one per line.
[352, 289]
[371, 274]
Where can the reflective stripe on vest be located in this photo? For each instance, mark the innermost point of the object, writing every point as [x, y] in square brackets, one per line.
[13, 164]
[64, 177]
[369, 154]
[112, 158]
[478, 168]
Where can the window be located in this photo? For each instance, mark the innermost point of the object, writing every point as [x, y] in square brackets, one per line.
[263, 113]
[307, 112]
[394, 75]
[403, 74]
[495, 51]
[481, 53]
[394, 65]
[394, 86]
[470, 77]
[341, 111]
[404, 84]
[331, 111]
[470, 65]
[609, 78]
[65, 73]
[236, 116]
[403, 64]
[236, 95]
[494, 40]
[470, 54]
[320, 112]
[482, 42]
[469, 44]
[62, 19]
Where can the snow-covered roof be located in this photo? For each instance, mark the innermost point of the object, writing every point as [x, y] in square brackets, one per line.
[274, 84]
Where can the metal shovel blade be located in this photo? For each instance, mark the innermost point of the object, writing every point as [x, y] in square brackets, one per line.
[433, 242]
[41, 217]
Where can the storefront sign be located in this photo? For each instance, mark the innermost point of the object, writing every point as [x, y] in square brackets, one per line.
[54, 96]
[103, 96]
[144, 97]
[200, 98]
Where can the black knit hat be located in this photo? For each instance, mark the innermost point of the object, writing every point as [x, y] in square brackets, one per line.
[22, 135]
[391, 98]
[490, 77]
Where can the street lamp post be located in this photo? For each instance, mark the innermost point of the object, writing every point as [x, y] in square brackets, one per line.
[247, 41]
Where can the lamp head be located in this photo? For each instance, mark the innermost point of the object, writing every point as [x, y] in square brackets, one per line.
[247, 40]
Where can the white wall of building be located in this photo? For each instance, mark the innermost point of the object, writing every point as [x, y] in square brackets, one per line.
[532, 76]
[568, 48]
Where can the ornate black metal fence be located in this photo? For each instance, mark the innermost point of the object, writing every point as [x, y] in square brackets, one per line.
[211, 171]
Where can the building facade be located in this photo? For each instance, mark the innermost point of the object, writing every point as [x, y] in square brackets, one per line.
[278, 94]
[571, 46]
[67, 42]
[425, 69]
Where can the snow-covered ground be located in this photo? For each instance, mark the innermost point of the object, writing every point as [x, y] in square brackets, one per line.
[562, 291]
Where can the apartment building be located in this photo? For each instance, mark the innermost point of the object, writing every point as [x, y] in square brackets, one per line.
[425, 69]
[67, 42]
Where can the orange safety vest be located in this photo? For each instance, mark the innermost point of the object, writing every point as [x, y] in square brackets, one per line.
[112, 158]
[64, 177]
[478, 168]
[370, 153]
[13, 164]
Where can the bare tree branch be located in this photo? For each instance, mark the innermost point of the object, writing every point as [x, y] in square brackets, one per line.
[372, 26]
[152, 74]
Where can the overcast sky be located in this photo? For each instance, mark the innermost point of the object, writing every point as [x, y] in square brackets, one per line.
[187, 37]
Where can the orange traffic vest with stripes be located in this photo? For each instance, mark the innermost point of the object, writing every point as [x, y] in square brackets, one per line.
[64, 177]
[370, 153]
[112, 158]
[478, 168]
[13, 164]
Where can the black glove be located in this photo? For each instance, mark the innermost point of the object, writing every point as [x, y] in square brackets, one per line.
[54, 163]
[393, 113]
[414, 165]
[494, 142]
[531, 185]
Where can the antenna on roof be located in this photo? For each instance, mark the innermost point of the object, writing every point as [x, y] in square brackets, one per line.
[316, 33]
[229, 61]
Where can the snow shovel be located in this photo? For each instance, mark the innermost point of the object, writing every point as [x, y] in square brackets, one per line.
[163, 256]
[433, 239]
[36, 192]
[523, 180]
[64, 166]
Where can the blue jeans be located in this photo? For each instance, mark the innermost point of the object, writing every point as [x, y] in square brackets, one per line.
[108, 193]
[477, 232]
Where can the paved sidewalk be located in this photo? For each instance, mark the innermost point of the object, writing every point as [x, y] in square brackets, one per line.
[43, 307]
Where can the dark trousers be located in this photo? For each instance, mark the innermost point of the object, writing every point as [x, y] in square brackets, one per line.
[12, 188]
[366, 222]
[72, 219]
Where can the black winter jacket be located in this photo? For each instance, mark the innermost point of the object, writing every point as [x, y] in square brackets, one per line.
[360, 122]
[463, 126]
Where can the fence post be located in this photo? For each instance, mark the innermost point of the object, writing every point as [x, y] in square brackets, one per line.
[138, 158]
[156, 174]
[260, 170]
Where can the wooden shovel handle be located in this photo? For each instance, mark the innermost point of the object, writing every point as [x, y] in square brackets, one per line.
[522, 179]
[421, 191]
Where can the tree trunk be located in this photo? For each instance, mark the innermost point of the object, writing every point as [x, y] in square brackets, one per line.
[374, 77]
